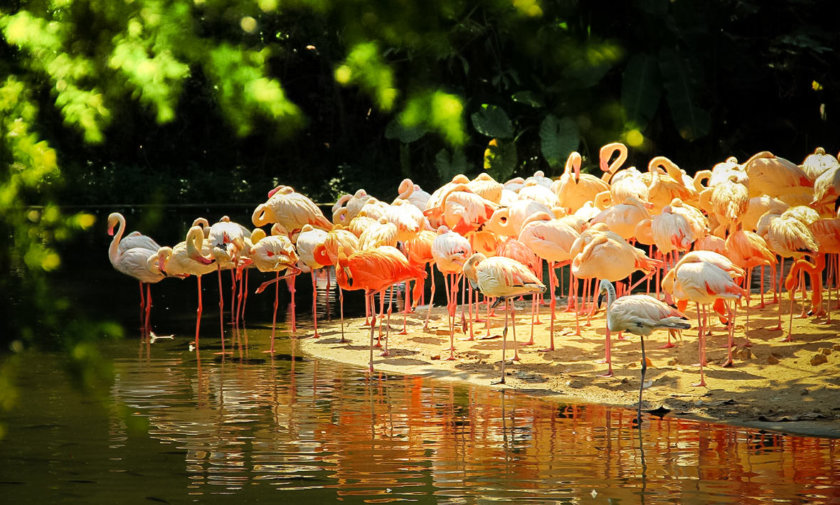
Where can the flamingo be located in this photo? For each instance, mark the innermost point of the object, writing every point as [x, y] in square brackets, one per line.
[608, 256]
[729, 201]
[374, 270]
[748, 250]
[418, 250]
[227, 240]
[789, 238]
[640, 315]
[703, 283]
[574, 189]
[779, 178]
[326, 253]
[134, 264]
[308, 239]
[413, 194]
[291, 209]
[664, 187]
[817, 163]
[792, 280]
[502, 278]
[486, 187]
[551, 240]
[274, 253]
[193, 256]
[624, 217]
[450, 250]
[827, 234]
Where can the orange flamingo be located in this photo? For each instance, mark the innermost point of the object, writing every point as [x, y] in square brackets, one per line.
[374, 271]
[779, 178]
[792, 280]
[502, 278]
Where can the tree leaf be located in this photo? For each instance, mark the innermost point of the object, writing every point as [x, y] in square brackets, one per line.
[405, 134]
[558, 138]
[500, 159]
[492, 121]
[528, 98]
[641, 88]
[679, 77]
[448, 166]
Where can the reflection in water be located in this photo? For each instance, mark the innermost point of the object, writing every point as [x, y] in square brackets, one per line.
[320, 431]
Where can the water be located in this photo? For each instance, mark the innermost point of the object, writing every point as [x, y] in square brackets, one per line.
[174, 429]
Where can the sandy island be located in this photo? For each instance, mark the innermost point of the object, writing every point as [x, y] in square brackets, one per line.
[786, 386]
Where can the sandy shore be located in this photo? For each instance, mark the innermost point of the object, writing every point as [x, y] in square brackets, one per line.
[788, 386]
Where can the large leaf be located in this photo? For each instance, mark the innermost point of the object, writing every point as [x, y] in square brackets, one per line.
[448, 166]
[680, 82]
[641, 88]
[492, 121]
[500, 159]
[558, 138]
[406, 134]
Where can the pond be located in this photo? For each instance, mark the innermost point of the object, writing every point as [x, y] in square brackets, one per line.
[178, 427]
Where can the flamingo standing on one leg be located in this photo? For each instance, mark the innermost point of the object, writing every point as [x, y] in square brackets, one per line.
[308, 239]
[641, 315]
[274, 253]
[190, 257]
[337, 240]
[792, 281]
[502, 278]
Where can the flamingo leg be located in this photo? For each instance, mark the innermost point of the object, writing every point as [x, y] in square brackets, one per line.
[730, 341]
[407, 309]
[274, 316]
[608, 353]
[341, 309]
[551, 280]
[372, 303]
[504, 343]
[431, 298]
[701, 337]
[513, 325]
[148, 326]
[198, 313]
[244, 297]
[314, 303]
[290, 282]
[142, 312]
[221, 308]
[388, 323]
[642, 382]
[789, 337]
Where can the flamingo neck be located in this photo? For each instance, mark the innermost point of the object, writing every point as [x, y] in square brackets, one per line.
[113, 250]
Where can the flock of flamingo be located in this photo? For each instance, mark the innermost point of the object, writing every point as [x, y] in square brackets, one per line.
[703, 235]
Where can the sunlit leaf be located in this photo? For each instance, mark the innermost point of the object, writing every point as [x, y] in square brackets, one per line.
[500, 159]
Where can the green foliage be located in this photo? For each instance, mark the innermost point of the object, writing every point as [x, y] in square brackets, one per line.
[448, 166]
[558, 137]
[681, 86]
[492, 121]
[641, 88]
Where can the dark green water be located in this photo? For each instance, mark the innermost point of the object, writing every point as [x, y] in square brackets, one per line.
[172, 428]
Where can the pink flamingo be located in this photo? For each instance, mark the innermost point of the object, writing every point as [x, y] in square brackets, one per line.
[274, 253]
[502, 278]
[450, 250]
[190, 257]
